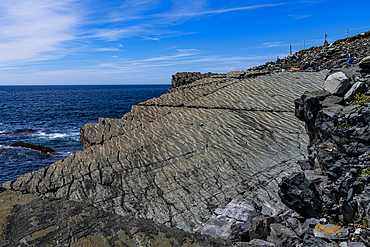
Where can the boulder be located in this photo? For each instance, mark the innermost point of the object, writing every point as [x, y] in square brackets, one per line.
[300, 194]
[358, 87]
[365, 63]
[337, 83]
[232, 221]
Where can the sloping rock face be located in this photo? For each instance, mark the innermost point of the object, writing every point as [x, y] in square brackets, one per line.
[177, 158]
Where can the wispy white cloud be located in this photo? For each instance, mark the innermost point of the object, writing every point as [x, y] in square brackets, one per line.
[107, 49]
[297, 17]
[36, 30]
[42, 30]
[182, 58]
[154, 26]
[219, 11]
[274, 44]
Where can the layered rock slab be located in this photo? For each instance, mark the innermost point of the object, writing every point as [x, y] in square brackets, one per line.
[177, 158]
[28, 220]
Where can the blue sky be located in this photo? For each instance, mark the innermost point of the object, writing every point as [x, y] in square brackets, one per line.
[53, 42]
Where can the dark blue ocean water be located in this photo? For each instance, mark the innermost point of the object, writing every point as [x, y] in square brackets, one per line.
[55, 114]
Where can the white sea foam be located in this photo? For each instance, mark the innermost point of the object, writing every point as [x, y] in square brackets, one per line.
[57, 135]
[6, 147]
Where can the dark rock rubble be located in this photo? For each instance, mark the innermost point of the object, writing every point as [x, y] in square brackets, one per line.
[322, 57]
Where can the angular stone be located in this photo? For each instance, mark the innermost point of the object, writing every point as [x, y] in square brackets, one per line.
[363, 204]
[281, 231]
[355, 244]
[347, 211]
[365, 62]
[330, 231]
[7, 185]
[358, 87]
[311, 241]
[300, 194]
[337, 83]
[239, 212]
[260, 242]
[305, 165]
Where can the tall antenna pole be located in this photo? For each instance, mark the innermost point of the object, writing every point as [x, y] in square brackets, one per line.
[347, 32]
[290, 49]
[303, 44]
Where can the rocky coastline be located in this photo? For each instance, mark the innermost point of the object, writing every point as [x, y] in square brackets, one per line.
[220, 160]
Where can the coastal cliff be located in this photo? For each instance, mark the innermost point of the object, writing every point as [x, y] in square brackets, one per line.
[174, 160]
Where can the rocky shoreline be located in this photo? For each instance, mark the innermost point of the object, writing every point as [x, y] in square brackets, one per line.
[218, 155]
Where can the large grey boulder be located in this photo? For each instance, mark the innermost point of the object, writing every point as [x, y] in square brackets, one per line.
[365, 62]
[337, 83]
[358, 87]
[238, 212]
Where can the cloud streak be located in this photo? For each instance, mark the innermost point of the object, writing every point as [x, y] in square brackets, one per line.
[35, 30]
[297, 17]
[221, 11]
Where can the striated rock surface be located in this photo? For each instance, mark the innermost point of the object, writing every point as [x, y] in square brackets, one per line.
[27, 220]
[177, 158]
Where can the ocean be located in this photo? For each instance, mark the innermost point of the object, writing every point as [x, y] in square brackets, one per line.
[52, 116]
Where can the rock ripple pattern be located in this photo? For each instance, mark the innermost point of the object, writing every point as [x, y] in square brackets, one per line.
[176, 158]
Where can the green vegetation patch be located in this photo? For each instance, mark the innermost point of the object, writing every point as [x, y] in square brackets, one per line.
[367, 172]
[343, 125]
[360, 99]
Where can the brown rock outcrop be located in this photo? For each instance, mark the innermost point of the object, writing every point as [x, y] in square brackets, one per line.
[177, 158]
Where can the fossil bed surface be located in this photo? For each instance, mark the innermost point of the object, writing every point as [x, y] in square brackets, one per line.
[176, 158]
